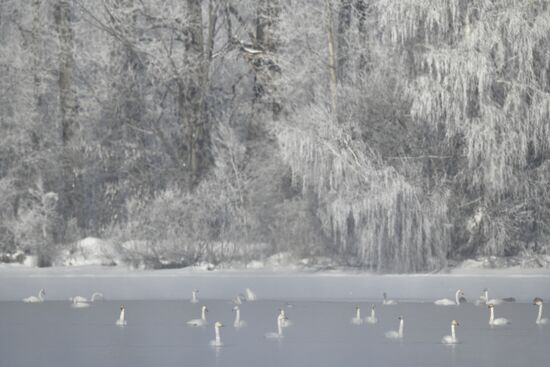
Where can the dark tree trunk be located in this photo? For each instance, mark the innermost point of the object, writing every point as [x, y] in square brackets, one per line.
[67, 113]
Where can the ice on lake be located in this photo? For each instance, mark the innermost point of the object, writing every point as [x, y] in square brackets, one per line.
[55, 334]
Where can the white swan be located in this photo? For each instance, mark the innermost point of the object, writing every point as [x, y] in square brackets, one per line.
[121, 320]
[33, 299]
[396, 334]
[78, 299]
[199, 322]
[497, 322]
[250, 296]
[357, 320]
[483, 298]
[372, 318]
[388, 302]
[494, 301]
[285, 322]
[279, 333]
[459, 298]
[238, 300]
[238, 323]
[97, 296]
[218, 341]
[194, 298]
[451, 339]
[540, 320]
[80, 302]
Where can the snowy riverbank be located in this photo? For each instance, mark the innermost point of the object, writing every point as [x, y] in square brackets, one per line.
[124, 283]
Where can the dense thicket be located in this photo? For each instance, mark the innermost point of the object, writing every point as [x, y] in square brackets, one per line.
[390, 134]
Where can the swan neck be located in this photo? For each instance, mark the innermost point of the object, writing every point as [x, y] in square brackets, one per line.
[539, 317]
[237, 316]
[203, 314]
[453, 332]
[492, 315]
[372, 313]
[486, 296]
[218, 338]
[401, 328]
[121, 318]
[280, 326]
[358, 313]
[456, 297]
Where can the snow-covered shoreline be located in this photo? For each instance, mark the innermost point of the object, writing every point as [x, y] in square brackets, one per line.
[124, 283]
[15, 270]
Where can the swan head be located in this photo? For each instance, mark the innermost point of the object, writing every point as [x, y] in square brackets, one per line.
[357, 308]
[400, 318]
[460, 292]
[195, 290]
[121, 307]
[490, 305]
[454, 323]
[218, 324]
[204, 309]
[384, 295]
[42, 291]
[236, 308]
[372, 307]
[537, 301]
[282, 312]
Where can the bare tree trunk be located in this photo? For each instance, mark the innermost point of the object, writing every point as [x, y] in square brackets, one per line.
[266, 68]
[361, 9]
[37, 62]
[68, 110]
[192, 94]
[67, 97]
[344, 24]
[331, 55]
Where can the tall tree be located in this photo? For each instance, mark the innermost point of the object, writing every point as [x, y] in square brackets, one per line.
[68, 129]
[192, 92]
[67, 96]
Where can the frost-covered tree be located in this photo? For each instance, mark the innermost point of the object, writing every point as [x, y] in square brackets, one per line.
[478, 71]
[373, 213]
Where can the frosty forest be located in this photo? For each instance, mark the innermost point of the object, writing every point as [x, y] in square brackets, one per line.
[391, 135]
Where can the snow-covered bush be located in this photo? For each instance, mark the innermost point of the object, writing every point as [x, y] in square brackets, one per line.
[37, 227]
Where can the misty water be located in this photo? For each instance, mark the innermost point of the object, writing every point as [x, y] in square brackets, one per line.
[55, 334]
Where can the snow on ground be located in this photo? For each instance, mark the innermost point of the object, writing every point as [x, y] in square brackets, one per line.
[90, 251]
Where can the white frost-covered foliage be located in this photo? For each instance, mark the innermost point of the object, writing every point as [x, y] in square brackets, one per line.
[481, 69]
[374, 216]
[395, 228]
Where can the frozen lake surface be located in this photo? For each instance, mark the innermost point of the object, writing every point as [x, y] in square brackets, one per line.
[321, 307]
